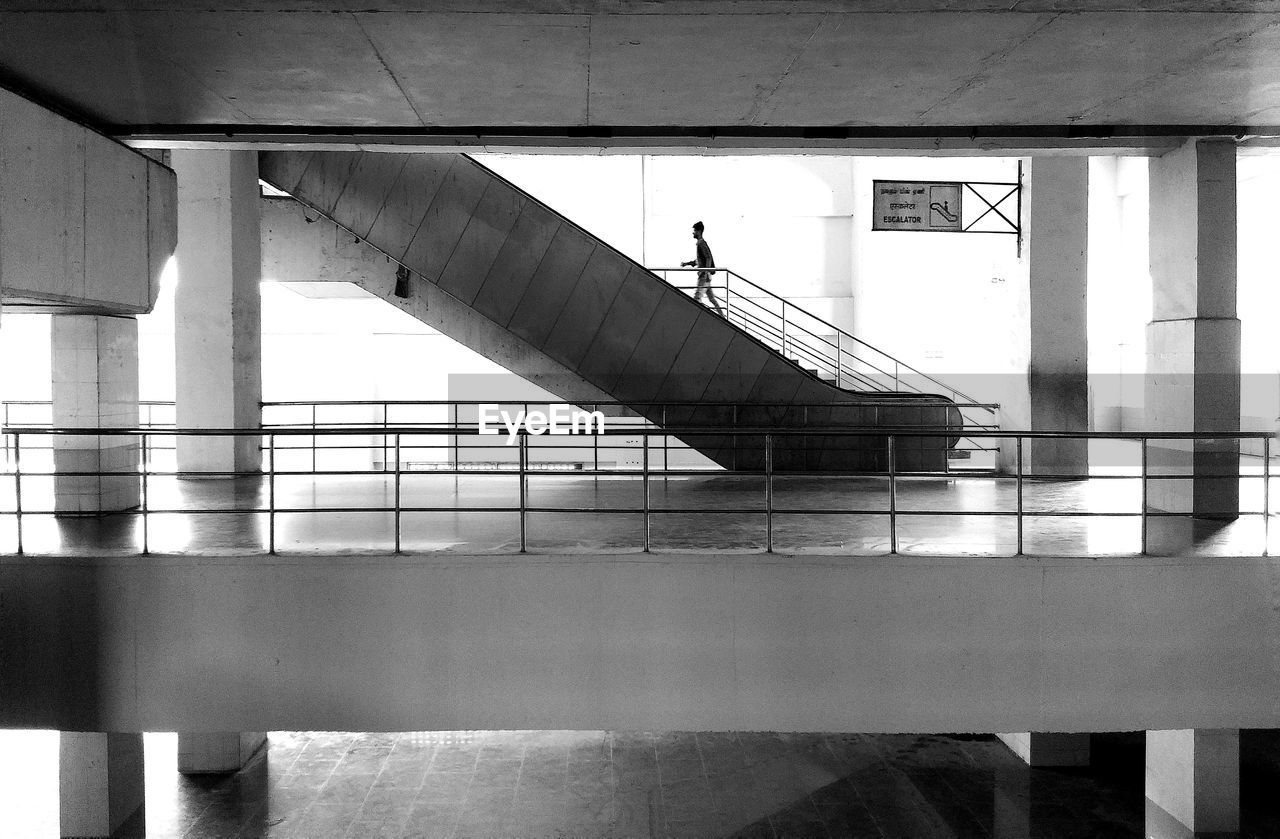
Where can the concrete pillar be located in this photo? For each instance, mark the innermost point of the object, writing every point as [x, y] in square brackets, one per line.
[100, 784]
[1049, 748]
[1012, 802]
[217, 751]
[218, 317]
[95, 385]
[1057, 242]
[1193, 341]
[1193, 782]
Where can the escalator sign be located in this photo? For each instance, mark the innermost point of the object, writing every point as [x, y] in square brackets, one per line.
[916, 205]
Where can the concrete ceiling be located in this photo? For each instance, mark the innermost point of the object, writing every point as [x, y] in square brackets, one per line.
[754, 69]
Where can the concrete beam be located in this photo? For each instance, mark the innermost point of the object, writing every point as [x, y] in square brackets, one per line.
[709, 142]
[555, 65]
[724, 642]
[88, 223]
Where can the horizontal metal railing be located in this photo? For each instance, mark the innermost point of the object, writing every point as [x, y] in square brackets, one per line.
[769, 440]
[151, 413]
[316, 414]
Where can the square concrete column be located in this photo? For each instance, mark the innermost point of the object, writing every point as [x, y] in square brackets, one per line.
[1193, 778]
[100, 784]
[1193, 342]
[1057, 241]
[95, 385]
[1049, 748]
[217, 751]
[218, 308]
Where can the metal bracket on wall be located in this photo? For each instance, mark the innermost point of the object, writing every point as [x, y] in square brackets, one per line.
[995, 195]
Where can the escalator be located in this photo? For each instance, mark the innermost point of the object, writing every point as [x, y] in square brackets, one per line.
[552, 287]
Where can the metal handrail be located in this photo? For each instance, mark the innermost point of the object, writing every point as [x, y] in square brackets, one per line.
[523, 469]
[787, 338]
[851, 403]
[384, 406]
[720, 430]
[785, 303]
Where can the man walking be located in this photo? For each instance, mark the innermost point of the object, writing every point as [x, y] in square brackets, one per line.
[705, 264]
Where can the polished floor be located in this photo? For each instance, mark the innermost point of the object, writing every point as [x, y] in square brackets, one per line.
[570, 512]
[576, 785]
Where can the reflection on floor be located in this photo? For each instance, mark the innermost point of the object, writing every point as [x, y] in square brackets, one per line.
[576, 513]
[536, 784]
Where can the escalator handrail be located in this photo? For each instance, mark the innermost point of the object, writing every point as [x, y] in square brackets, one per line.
[729, 272]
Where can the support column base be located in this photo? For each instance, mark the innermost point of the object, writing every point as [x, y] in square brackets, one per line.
[216, 752]
[1193, 778]
[101, 785]
[1193, 384]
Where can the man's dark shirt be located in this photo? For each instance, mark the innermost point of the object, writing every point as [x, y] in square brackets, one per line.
[705, 260]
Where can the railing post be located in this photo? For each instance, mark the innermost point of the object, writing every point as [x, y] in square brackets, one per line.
[1266, 495]
[893, 498]
[271, 495]
[839, 361]
[455, 440]
[666, 447]
[397, 513]
[313, 439]
[645, 489]
[524, 501]
[146, 542]
[734, 414]
[1143, 444]
[1018, 473]
[768, 492]
[385, 408]
[17, 486]
[784, 328]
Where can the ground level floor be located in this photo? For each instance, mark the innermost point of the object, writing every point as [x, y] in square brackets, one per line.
[637, 784]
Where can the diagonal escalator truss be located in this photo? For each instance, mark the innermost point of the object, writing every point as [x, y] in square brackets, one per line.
[563, 292]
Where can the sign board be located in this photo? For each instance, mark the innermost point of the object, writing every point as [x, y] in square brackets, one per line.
[916, 205]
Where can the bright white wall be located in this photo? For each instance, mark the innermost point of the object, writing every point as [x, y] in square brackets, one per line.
[1119, 297]
[1120, 291]
[354, 348]
[601, 194]
[953, 305]
[1258, 291]
[946, 303]
[800, 226]
[784, 222]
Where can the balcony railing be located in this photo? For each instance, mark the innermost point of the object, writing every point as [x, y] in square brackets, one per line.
[420, 413]
[411, 503]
